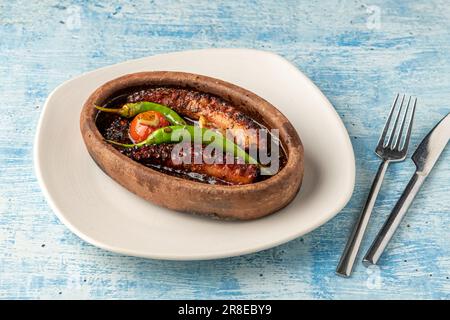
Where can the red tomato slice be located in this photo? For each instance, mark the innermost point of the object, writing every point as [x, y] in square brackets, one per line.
[145, 123]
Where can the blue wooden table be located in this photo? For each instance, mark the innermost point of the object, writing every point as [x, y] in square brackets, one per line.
[359, 53]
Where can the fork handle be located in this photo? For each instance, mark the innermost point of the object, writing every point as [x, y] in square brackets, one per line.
[390, 226]
[345, 265]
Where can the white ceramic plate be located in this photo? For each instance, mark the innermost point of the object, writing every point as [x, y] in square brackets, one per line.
[106, 215]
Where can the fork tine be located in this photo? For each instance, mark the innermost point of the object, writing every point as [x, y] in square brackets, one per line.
[388, 121]
[394, 129]
[410, 124]
[396, 145]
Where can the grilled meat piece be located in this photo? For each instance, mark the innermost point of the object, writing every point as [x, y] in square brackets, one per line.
[183, 159]
[215, 111]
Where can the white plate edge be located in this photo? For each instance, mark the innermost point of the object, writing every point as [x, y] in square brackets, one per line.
[231, 253]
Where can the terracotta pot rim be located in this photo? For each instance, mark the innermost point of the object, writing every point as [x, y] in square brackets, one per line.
[242, 202]
[292, 157]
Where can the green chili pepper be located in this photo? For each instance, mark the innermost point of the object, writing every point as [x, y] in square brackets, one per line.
[173, 134]
[131, 109]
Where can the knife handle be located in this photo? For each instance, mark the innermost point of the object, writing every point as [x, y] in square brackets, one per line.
[390, 226]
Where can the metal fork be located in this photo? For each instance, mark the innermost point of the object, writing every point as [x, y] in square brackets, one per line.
[392, 147]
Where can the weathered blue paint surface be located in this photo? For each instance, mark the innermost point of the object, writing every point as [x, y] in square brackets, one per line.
[359, 53]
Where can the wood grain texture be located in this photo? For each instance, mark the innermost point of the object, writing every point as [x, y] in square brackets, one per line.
[358, 61]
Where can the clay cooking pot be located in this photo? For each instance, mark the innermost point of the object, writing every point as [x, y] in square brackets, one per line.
[238, 202]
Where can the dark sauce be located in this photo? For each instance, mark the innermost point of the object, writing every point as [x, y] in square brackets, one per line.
[114, 127]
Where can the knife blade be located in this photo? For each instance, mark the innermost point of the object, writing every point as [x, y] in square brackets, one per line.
[431, 147]
[425, 157]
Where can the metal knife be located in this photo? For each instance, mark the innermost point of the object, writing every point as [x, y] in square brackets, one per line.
[425, 158]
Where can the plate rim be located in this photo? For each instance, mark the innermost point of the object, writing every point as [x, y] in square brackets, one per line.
[203, 256]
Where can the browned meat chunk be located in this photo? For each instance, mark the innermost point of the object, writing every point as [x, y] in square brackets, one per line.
[162, 155]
